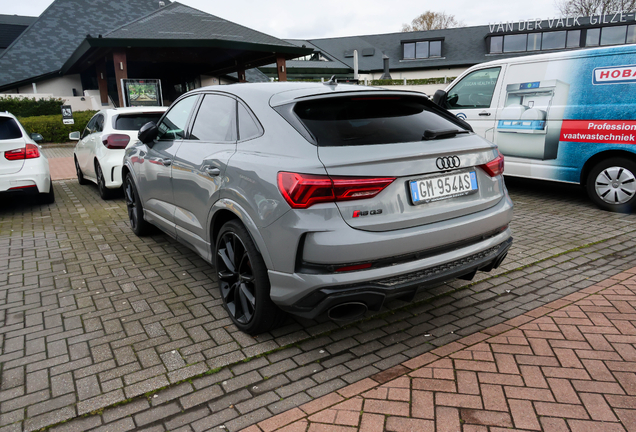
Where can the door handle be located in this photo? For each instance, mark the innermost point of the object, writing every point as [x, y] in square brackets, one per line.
[212, 171]
[166, 162]
[484, 113]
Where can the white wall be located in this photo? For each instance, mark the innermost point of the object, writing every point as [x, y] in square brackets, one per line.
[59, 86]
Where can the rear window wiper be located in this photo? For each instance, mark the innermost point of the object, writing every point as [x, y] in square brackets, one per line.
[441, 134]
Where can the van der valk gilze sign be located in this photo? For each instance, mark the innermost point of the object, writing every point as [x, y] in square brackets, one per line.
[563, 22]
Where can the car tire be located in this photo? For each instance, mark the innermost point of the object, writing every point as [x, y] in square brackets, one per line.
[49, 197]
[135, 210]
[80, 175]
[611, 185]
[243, 281]
[104, 192]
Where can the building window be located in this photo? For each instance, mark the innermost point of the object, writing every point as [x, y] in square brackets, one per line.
[553, 40]
[422, 49]
[435, 49]
[592, 37]
[613, 35]
[574, 39]
[631, 34]
[515, 43]
[496, 44]
[534, 41]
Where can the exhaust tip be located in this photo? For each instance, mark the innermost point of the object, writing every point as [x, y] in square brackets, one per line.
[347, 311]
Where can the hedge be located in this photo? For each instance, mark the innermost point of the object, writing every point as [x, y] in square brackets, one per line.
[29, 107]
[52, 128]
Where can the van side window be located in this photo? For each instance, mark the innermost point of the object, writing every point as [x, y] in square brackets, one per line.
[475, 90]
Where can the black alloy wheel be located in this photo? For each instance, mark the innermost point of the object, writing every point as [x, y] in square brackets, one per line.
[80, 175]
[104, 192]
[135, 211]
[243, 281]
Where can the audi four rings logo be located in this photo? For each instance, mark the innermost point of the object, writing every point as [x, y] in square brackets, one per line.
[447, 162]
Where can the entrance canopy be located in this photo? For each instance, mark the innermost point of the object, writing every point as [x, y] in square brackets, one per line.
[177, 44]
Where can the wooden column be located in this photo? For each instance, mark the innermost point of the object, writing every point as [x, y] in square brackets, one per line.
[282, 68]
[241, 74]
[121, 72]
[102, 82]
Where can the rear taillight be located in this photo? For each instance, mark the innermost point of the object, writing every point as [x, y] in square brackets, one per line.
[495, 167]
[31, 151]
[116, 141]
[304, 190]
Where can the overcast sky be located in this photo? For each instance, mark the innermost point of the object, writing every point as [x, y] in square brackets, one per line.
[298, 19]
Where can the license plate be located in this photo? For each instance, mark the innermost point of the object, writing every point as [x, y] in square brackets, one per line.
[444, 186]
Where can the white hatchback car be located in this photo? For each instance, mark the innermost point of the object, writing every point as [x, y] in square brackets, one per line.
[23, 168]
[100, 149]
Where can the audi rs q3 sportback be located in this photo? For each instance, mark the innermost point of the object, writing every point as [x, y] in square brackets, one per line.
[319, 198]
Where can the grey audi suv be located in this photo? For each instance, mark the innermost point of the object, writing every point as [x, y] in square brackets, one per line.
[319, 198]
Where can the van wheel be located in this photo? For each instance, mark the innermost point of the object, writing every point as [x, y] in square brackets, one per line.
[611, 185]
[243, 281]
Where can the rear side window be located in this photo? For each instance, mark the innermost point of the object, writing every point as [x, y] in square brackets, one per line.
[216, 120]
[134, 122]
[368, 120]
[9, 129]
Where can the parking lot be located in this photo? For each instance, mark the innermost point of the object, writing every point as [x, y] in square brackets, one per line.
[116, 331]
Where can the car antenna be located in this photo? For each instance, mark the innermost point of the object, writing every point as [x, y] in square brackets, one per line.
[332, 81]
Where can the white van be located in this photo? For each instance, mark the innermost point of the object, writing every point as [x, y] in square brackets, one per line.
[565, 116]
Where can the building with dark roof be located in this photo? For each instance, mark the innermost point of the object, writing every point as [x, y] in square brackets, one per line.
[448, 52]
[71, 49]
[12, 26]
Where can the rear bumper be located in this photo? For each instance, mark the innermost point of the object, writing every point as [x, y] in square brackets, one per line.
[112, 163]
[33, 177]
[373, 287]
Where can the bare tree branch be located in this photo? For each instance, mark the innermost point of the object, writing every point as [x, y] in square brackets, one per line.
[594, 7]
[430, 20]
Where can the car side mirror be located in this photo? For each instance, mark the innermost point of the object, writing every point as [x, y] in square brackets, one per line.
[37, 137]
[148, 133]
[439, 98]
[74, 136]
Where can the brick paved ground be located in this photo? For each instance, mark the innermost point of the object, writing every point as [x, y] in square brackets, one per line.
[61, 162]
[568, 365]
[92, 316]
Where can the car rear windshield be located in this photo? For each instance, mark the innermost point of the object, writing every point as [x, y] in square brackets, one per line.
[134, 122]
[9, 129]
[368, 120]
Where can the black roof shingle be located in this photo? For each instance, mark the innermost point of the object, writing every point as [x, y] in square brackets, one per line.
[178, 21]
[49, 41]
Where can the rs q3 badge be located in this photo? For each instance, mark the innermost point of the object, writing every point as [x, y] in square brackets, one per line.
[360, 213]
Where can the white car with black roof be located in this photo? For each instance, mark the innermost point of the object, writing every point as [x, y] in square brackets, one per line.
[99, 152]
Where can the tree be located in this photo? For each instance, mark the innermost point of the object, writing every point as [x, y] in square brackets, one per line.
[430, 20]
[594, 7]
